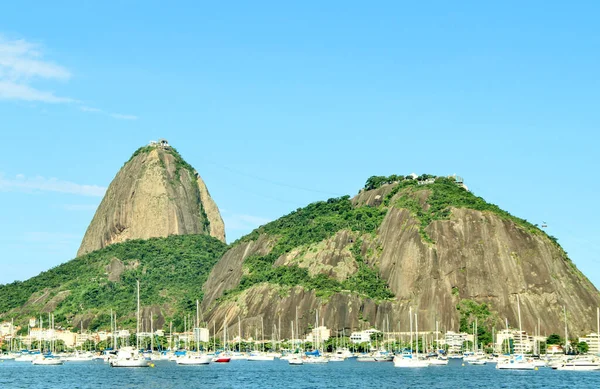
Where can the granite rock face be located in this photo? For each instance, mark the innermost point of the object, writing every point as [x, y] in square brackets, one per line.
[472, 255]
[155, 194]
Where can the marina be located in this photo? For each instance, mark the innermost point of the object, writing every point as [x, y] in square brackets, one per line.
[279, 373]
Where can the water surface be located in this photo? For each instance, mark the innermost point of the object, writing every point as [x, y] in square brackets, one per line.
[278, 374]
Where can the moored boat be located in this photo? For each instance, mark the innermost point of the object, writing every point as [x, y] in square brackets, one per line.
[128, 357]
[438, 361]
[258, 356]
[47, 361]
[408, 360]
[577, 365]
[222, 359]
[194, 359]
[296, 360]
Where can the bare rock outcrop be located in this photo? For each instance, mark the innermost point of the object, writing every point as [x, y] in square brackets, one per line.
[155, 194]
[471, 255]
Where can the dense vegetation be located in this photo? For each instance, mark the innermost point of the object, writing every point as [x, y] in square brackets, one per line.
[171, 270]
[442, 195]
[375, 182]
[470, 311]
[312, 224]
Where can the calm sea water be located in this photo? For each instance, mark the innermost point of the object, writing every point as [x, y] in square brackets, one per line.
[278, 374]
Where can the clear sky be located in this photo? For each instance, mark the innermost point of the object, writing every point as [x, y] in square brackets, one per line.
[278, 105]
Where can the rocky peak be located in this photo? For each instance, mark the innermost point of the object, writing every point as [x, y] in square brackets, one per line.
[155, 194]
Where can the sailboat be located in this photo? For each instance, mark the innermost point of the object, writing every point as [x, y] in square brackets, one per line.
[225, 356]
[315, 356]
[518, 362]
[47, 359]
[581, 364]
[408, 359]
[296, 358]
[438, 361]
[129, 356]
[196, 358]
[261, 355]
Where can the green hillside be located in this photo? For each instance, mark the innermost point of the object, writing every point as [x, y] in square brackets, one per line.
[171, 271]
[309, 225]
[427, 202]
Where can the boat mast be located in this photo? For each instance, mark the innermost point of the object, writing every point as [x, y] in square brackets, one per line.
[137, 334]
[437, 342]
[566, 332]
[507, 339]
[240, 334]
[411, 325]
[262, 332]
[520, 328]
[538, 339]
[417, 334]
[196, 331]
[598, 330]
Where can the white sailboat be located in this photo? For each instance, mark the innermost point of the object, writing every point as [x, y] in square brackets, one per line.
[518, 362]
[261, 355]
[129, 356]
[582, 364]
[197, 358]
[47, 361]
[296, 358]
[439, 360]
[410, 359]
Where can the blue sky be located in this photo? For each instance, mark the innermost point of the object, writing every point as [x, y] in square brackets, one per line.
[279, 105]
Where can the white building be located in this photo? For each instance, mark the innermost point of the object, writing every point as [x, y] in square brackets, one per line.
[592, 341]
[47, 335]
[521, 341]
[202, 334]
[80, 339]
[455, 341]
[319, 334]
[7, 329]
[362, 336]
[104, 335]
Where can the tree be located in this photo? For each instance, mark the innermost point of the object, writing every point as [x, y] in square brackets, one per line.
[377, 336]
[554, 339]
[582, 347]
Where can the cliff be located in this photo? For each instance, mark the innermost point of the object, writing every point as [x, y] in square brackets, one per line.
[436, 248]
[155, 194]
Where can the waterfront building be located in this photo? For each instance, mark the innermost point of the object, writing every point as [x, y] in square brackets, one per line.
[592, 342]
[455, 340]
[202, 334]
[521, 342]
[362, 336]
[319, 334]
[8, 329]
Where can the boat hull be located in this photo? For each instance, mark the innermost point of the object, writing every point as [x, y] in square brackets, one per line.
[578, 367]
[47, 362]
[260, 358]
[515, 366]
[196, 360]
